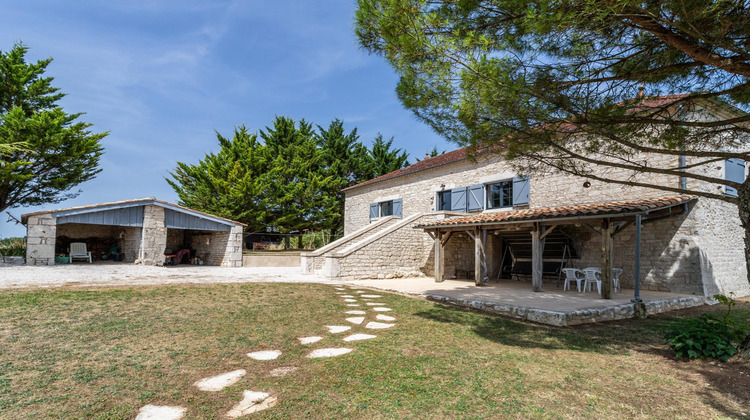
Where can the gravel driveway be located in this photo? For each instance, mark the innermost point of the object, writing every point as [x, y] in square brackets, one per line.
[120, 274]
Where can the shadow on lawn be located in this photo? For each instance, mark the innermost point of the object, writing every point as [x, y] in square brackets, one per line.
[608, 338]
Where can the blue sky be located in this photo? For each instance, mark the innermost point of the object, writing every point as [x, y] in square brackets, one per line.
[161, 76]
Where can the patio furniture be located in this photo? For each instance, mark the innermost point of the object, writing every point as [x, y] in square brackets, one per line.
[573, 274]
[594, 274]
[616, 278]
[78, 251]
[169, 257]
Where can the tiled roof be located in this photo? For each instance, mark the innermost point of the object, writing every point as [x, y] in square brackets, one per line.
[428, 163]
[144, 201]
[581, 210]
[461, 154]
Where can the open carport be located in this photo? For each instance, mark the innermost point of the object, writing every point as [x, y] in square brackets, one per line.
[135, 231]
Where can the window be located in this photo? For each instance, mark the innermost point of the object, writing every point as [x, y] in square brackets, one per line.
[444, 200]
[386, 208]
[500, 195]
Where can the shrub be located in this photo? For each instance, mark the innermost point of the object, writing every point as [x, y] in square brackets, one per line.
[13, 247]
[707, 336]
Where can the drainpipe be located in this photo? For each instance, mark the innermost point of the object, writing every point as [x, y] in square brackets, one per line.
[637, 274]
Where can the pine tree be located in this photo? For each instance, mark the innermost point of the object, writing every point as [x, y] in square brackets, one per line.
[44, 151]
[384, 159]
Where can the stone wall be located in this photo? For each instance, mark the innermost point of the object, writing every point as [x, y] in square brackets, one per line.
[131, 243]
[700, 253]
[41, 231]
[399, 251]
[153, 237]
[219, 248]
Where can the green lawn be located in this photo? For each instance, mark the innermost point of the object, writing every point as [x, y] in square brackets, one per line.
[104, 353]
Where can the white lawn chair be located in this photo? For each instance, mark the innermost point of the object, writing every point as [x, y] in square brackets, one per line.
[616, 278]
[593, 276]
[573, 274]
[78, 250]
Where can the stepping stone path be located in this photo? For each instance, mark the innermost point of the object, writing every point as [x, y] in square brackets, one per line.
[283, 371]
[335, 329]
[378, 325]
[333, 352]
[356, 319]
[264, 355]
[252, 402]
[357, 337]
[160, 412]
[309, 340]
[219, 382]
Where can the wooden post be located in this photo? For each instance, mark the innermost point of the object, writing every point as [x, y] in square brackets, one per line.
[537, 251]
[478, 257]
[438, 257]
[607, 242]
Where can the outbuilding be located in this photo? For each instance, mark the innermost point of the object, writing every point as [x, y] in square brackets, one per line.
[144, 231]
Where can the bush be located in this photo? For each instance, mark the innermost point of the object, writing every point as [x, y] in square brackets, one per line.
[707, 336]
[13, 247]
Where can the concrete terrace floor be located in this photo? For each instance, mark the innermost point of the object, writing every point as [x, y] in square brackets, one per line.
[550, 306]
[513, 292]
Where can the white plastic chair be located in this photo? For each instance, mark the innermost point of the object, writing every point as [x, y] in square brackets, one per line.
[573, 274]
[78, 250]
[616, 278]
[593, 276]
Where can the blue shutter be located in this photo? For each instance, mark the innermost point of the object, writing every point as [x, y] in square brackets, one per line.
[734, 170]
[373, 211]
[521, 191]
[476, 197]
[458, 199]
[397, 205]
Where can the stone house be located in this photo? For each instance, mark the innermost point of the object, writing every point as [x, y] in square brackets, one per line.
[452, 216]
[141, 230]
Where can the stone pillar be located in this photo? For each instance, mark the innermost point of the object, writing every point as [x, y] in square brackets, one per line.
[233, 251]
[153, 237]
[41, 232]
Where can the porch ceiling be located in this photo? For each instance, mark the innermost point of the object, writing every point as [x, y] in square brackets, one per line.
[612, 210]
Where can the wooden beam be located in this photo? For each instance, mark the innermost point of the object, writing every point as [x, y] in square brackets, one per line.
[537, 249]
[622, 227]
[438, 257]
[607, 245]
[470, 233]
[446, 238]
[548, 231]
[432, 235]
[478, 257]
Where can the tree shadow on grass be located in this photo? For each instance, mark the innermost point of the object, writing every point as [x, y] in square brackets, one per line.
[605, 338]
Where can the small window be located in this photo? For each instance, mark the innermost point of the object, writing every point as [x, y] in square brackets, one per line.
[500, 195]
[444, 200]
[386, 208]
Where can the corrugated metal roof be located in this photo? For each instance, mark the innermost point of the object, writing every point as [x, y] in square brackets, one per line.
[564, 212]
[130, 203]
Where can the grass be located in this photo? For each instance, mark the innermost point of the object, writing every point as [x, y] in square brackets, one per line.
[104, 353]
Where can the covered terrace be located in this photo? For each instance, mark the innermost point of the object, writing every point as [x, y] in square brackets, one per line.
[602, 220]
